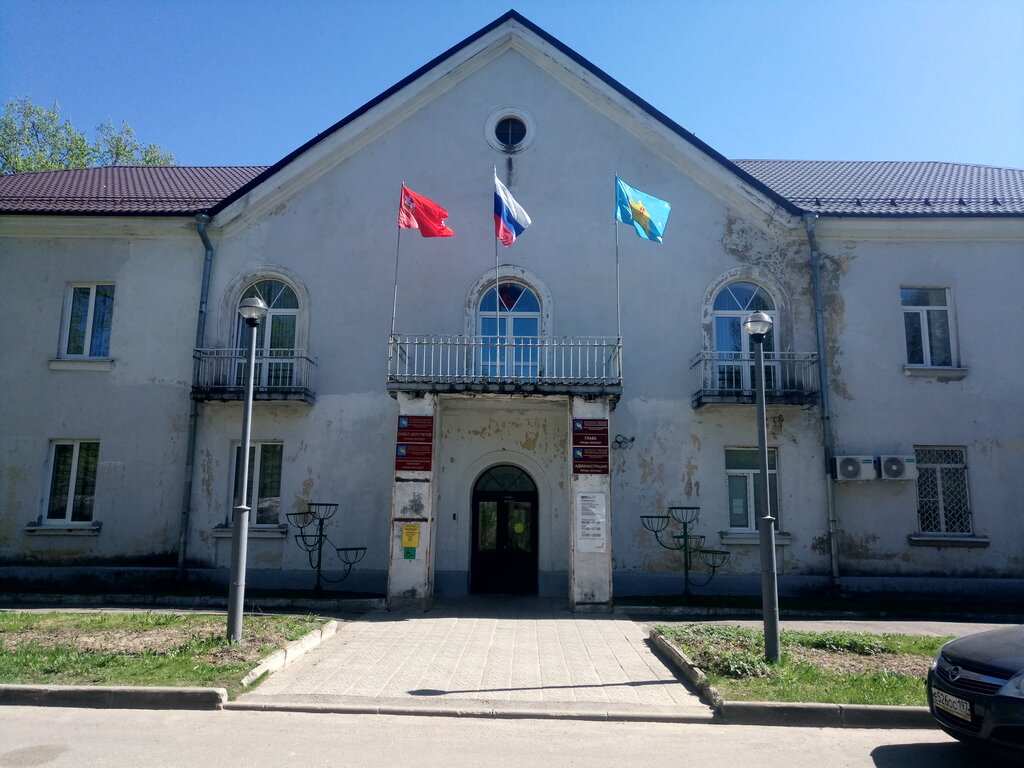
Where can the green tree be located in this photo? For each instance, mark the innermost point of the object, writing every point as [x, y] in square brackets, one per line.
[33, 138]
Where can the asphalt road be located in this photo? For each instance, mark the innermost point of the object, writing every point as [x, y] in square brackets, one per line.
[40, 736]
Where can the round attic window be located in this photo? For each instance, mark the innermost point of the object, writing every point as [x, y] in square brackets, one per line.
[510, 132]
[509, 129]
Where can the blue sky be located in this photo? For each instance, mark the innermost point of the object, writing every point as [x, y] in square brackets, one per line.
[244, 83]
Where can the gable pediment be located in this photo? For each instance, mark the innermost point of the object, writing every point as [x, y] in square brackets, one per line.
[514, 46]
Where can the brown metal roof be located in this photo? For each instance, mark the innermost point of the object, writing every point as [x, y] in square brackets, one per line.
[872, 188]
[826, 187]
[121, 190]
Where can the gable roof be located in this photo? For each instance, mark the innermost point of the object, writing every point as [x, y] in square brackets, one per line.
[131, 190]
[828, 188]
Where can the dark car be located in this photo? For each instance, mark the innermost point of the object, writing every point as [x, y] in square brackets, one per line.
[976, 687]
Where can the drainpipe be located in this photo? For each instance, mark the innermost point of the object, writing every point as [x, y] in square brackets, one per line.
[193, 414]
[826, 413]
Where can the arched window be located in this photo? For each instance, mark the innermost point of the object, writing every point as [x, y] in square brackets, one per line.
[508, 322]
[275, 337]
[732, 305]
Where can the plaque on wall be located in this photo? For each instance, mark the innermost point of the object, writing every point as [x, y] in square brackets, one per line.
[413, 457]
[415, 429]
[590, 460]
[591, 522]
[589, 432]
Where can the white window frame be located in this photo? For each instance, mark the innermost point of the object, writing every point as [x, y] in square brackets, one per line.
[65, 335]
[751, 477]
[72, 494]
[736, 367]
[254, 484]
[943, 510]
[921, 311]
[514, 357]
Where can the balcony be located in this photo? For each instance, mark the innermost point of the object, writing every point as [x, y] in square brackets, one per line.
[566, 365]
[791, 378]
[281, 374]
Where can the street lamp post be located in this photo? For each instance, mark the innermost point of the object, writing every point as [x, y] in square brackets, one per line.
[252, 311]
[759, 325]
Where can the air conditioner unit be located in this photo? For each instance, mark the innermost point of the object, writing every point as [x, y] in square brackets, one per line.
[854, 468]
[898, 467]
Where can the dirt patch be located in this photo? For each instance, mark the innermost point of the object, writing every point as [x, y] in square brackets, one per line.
[855, 664]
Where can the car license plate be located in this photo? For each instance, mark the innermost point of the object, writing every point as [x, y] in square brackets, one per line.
[958, 707]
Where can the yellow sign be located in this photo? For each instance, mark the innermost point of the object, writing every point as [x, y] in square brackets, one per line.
[410, 534]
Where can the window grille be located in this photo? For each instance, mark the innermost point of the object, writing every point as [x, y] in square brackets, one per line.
[943, 503]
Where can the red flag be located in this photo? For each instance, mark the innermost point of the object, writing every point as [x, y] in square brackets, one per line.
[418, 212]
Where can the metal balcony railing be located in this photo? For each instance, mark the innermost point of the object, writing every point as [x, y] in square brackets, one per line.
[280, 374]
[728, 377]
[488, 363]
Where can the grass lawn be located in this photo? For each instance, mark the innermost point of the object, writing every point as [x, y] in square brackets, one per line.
[115, 648]
[830, 667]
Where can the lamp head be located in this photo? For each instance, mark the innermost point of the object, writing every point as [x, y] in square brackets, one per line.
[252, 310]
[758, 325]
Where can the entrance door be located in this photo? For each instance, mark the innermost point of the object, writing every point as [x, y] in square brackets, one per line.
[504, 555]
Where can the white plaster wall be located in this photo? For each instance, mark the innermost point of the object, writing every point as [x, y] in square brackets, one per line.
[879, 410]
[322, 234]
[138, 409]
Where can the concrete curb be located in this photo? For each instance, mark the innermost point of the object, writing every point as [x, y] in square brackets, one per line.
[482, 709]
[776, 713]
[294, 650]
[112, 697]
[825, 715]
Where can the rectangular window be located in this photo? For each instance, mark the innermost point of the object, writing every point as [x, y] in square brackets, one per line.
[943, 504]
[742, 469]
[927, 327]
[265, 461]
[72, 493]
[89, 312]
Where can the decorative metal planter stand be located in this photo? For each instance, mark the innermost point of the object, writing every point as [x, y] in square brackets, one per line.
[312, 541]
[685, 542]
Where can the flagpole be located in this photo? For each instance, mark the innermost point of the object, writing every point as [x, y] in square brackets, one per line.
[398, 243]
[497, 295]
[618, 303]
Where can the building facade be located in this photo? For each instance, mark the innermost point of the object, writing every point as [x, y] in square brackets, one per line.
[494, 419]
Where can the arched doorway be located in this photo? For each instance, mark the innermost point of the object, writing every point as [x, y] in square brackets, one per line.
[503, 559]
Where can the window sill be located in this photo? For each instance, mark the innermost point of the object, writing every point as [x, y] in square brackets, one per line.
[261, 532]
[63, 529]
[940, 373]
[752, 538]
[82, 364]
[938, 540]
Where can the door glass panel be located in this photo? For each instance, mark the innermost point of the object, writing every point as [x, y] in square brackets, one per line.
[525, 332]
[520, 535]
[282, 343]
[282, 332]
[487, 526]
[728, 346]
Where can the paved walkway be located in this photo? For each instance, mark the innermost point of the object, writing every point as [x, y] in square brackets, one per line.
[477, 656]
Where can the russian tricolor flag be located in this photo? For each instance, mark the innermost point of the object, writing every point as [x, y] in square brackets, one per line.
[510, 220]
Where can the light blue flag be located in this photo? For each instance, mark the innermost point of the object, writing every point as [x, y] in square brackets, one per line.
[647, 214]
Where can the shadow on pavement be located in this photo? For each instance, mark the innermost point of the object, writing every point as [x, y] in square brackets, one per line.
[948, 755]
